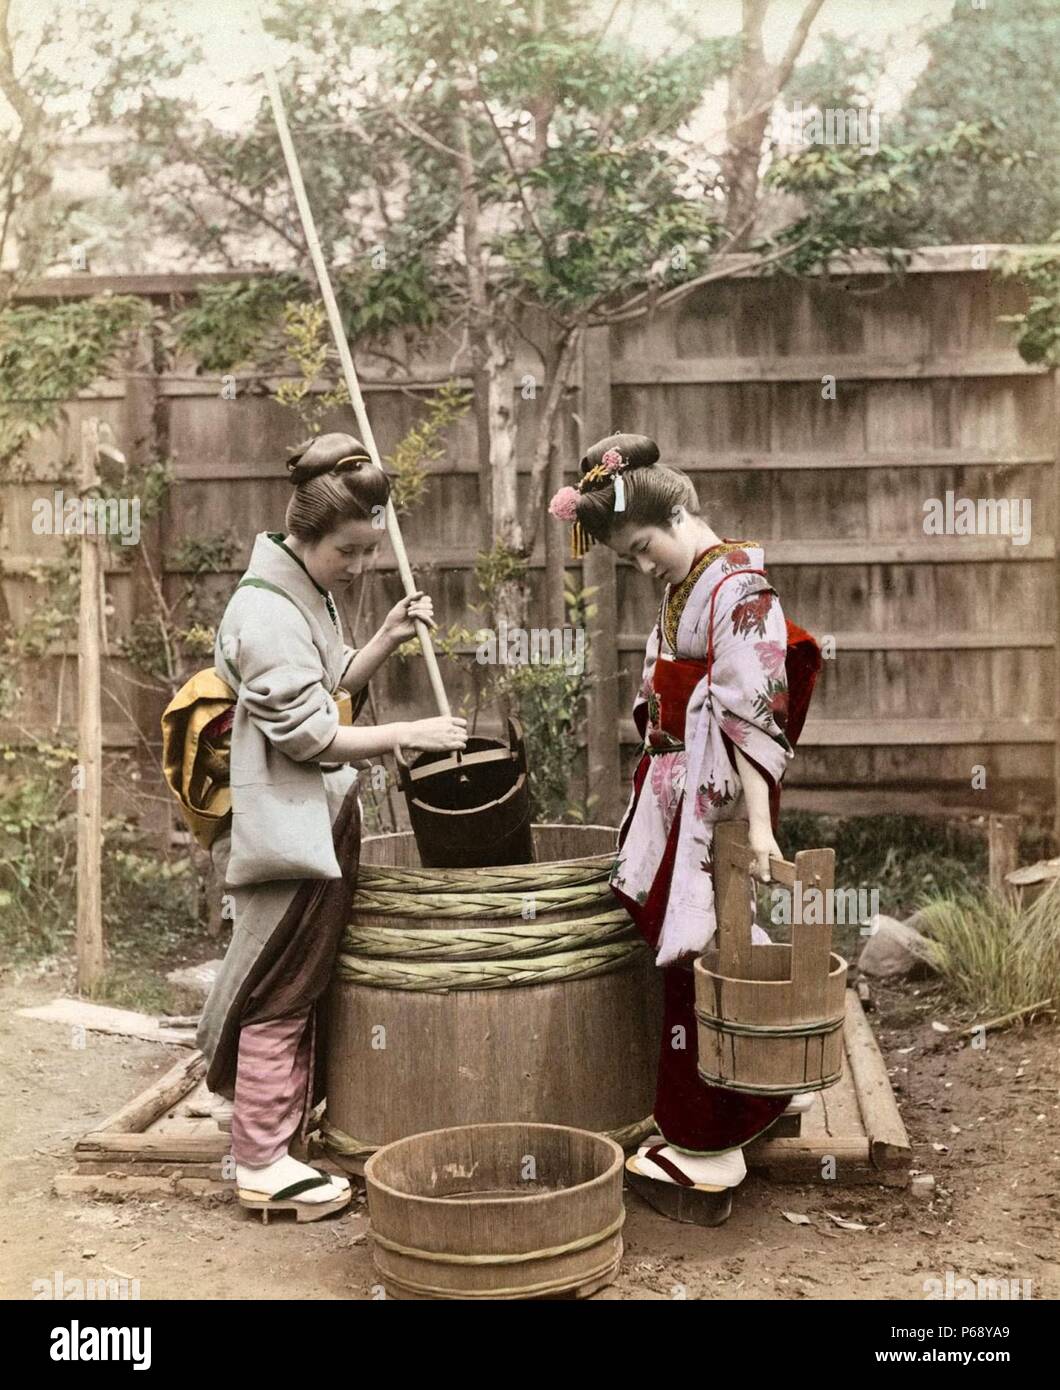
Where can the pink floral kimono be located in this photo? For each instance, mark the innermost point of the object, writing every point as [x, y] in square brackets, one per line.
[686, 782]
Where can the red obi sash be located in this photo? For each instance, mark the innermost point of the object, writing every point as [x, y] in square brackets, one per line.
[673, 683]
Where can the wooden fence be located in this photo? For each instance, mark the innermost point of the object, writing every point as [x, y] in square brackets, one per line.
[942, 689]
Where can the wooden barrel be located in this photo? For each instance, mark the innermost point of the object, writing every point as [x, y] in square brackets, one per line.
[500, 1211]
[770, 1018]
[471, 996]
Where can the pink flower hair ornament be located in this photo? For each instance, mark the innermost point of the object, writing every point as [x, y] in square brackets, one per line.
[564, 504]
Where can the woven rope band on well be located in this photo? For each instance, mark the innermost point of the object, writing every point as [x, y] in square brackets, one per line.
[443, 976]
[771, 1030]
[446, 1257]
[486, 943]
[471, 905]
[507, 878]
[346, 1146]
[761, 1089]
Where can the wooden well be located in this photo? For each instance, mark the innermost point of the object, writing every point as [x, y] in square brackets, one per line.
[770, 1018]
[497, 1211]
[471, 996]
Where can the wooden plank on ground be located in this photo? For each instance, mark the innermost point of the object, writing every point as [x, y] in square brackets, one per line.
[135, 1116]
[888, 1139]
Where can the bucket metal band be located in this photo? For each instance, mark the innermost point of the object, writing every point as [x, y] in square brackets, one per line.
[447, 1257]
[761, 1089]
[771, 1030]
[610, 1266]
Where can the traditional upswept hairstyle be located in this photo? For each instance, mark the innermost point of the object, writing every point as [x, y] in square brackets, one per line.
[334, 480]
[652, 490]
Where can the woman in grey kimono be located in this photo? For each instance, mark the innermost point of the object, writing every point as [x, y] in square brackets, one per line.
[289, 862]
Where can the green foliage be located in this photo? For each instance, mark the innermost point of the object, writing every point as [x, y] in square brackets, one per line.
[498, 566]
[231, 324]
[37, 849]
[306, 339]
[994, 955]
[844, 74]
[1038, 337]
[549, 700]
[856, 197]
[392, 285]
[591, 204]
[425, 441]
[161, 645]
[905, 857]
[52, 618]
[147, 895]
[997, 63]
[47, 355]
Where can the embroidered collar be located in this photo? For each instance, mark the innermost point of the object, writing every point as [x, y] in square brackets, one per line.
[677, 595]
[277, 536]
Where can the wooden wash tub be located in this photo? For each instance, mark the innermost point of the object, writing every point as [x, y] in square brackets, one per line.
[471, 996]
[500, 1211]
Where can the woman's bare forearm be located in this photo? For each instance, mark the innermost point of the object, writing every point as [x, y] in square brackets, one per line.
[364, 664]
[756, 794]
[351, 745]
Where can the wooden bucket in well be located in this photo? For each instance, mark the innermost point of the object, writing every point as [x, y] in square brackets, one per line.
[469, 996]
[498, 1211]
[770, 1018]
[473, 808]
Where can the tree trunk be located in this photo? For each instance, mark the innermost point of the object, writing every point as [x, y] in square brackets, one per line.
[754, 86]
[492, 356]
[745, 126]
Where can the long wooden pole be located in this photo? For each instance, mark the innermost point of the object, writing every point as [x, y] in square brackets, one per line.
[89, 738]
[338, 333]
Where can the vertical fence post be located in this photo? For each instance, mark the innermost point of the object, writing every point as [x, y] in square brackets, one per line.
[603, 748]
[89, 735]
[143, 447]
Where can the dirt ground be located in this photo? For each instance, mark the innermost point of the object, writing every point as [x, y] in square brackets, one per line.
[985, 1124]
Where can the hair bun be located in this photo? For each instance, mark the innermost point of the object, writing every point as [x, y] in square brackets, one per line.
[325, 453]
[637, 450]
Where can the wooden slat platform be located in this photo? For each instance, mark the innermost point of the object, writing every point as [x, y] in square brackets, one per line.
[153, 1146]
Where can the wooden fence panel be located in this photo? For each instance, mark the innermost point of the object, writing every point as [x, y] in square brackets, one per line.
[945, 648]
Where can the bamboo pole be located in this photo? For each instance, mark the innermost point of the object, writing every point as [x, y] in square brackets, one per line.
[338, 333]
[89, 928]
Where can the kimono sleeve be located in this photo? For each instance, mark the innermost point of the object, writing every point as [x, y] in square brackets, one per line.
[750, 684]
[640, 702]
[360, 695]
[282, 681]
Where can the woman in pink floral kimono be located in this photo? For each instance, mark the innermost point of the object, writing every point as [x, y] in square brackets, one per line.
[713, 709]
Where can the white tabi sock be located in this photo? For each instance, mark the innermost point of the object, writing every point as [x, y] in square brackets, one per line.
[282, 1173]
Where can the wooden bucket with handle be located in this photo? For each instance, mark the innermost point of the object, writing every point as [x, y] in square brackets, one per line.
[770, 1017]
[471, 810]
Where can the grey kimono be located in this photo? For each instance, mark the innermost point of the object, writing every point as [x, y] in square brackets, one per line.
[289, 656]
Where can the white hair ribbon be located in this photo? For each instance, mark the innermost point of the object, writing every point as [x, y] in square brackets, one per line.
[620, 493]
